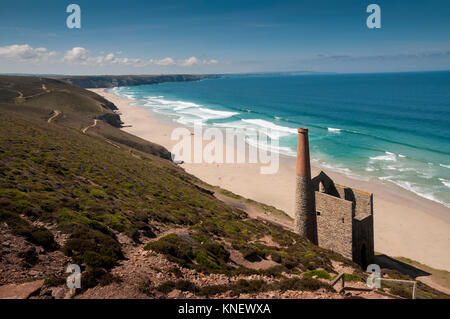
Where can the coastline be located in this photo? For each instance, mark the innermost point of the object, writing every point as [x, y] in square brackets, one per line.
[405, 224]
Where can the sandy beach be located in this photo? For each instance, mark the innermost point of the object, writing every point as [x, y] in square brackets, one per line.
[405, 224]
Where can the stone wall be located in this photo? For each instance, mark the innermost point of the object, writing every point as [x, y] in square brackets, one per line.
[334, 223]
[305, 219]
[345, 223]
[363, 243]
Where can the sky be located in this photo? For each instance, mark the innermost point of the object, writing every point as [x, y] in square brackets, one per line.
[154, 37]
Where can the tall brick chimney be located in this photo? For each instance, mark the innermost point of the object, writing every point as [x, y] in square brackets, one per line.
[305, 217]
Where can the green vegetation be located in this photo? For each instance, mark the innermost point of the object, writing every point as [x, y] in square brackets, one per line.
[127, 80]
[21, 227]
[352, 277]
[317, 273]
[54, 281]
[257, 205]
[90, 187]
[441, 277]
[423, 291]
[244, 286]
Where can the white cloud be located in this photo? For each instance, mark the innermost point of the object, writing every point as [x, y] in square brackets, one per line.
[76, 55]
[213, 61]
[165, 61]
[82, 56]
[25, 52]
[191, 61]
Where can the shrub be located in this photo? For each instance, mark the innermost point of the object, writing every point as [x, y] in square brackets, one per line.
[308, 284]
[54, 281]
[206, 257]
[248, 286]
[217, 250]
[174, 247]
[37, 235]
[92, 248]
[176, 271]
[43, 237]
[203, 259]
[166, 287]
[29, 256]
[98, 193]
[352, 277]
[311, 284]
[276, 257]
[289, 262]
[319, 273]
[250, 254]
[287, 284]
[401, 291]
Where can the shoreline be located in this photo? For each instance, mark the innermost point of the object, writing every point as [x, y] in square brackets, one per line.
[405, 224]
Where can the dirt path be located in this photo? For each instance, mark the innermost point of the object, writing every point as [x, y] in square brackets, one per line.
[113, 144]
[90, 126]
[55, 114]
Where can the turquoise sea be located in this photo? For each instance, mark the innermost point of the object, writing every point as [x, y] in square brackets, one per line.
[394, 127]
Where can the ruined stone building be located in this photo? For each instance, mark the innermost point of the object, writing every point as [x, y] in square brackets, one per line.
[330, 215]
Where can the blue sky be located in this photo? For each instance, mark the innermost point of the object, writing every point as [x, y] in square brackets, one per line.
[143, 37]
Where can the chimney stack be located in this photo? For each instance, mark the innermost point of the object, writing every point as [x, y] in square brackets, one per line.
[305, 217]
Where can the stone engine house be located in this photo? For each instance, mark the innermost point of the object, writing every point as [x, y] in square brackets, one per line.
[330, 215]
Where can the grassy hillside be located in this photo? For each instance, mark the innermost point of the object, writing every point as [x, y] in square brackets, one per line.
[106, 81]
[97, 187]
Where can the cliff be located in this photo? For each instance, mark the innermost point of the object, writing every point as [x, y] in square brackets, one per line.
[107, 81]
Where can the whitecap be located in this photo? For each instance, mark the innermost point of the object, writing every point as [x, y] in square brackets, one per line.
[386, 178]
[221, 114]
[443, 165]
[388, 157]
[334, 130]
[445, 182]
[271, 126]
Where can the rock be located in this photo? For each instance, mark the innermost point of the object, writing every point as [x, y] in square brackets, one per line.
[176, 294]
[20, 291]
[123, 239]
[58, 293]
[71, 293]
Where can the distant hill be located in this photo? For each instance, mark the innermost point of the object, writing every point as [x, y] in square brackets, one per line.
[74, 188]
[107, 81]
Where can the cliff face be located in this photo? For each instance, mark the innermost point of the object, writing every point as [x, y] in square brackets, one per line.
[107, 81]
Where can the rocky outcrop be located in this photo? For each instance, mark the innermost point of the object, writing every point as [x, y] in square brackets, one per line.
[22, 291]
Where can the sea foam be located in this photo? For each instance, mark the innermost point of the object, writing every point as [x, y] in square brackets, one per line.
[388, 157]
[334, 130]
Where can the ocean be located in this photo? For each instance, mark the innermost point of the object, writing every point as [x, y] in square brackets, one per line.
[393, 127]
